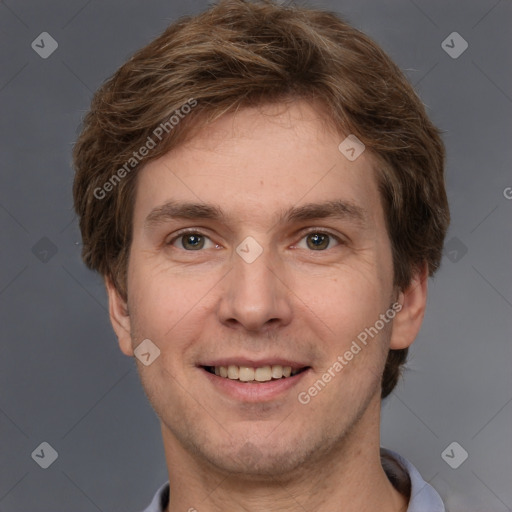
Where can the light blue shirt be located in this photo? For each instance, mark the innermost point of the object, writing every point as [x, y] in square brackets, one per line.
[424, 497]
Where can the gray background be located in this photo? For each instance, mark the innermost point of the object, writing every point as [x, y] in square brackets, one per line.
[63, 379]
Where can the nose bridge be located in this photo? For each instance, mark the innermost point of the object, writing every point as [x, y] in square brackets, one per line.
[256, 295]
[256, 279]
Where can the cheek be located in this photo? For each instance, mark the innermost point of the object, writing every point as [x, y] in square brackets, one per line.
[346, 300]
[162, 301]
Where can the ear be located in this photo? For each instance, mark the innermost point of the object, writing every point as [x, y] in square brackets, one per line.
[119, 317]
[407, 322]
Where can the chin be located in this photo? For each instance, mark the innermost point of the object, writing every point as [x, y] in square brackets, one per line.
[258, 463]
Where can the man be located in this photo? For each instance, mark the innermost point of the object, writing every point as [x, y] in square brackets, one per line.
[263, 193]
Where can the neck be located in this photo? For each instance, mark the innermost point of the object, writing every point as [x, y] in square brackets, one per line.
[349, 477]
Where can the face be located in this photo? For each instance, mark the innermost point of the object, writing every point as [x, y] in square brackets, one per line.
[259, 245]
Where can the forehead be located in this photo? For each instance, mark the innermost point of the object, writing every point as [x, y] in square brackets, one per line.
[260, 161]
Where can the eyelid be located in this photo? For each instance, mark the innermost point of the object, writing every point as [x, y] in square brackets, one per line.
[323, 231]
[302, 234]
[185, 231]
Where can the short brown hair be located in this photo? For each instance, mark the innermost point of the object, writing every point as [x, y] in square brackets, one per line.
[239, 54]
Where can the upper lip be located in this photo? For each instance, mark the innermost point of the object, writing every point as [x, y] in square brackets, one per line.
[253, 363]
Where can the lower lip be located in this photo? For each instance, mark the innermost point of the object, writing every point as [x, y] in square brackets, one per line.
[254, 391]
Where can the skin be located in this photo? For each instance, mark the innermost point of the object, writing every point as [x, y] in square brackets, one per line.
[294, 301]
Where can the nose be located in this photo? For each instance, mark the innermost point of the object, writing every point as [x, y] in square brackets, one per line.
[255, 296]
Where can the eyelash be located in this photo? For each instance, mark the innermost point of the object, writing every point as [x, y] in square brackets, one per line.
[317, 231]
[189, 231]
[192, 231]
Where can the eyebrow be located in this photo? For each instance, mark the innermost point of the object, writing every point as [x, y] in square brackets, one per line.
[182, 210]
[338, 209]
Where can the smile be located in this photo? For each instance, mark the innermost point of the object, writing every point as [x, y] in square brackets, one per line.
[254, 381]
[250, 374]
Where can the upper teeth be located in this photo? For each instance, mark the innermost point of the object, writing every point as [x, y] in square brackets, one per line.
[260, 374]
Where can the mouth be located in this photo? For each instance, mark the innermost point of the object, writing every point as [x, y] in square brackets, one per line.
[258, 374]
[248, 381]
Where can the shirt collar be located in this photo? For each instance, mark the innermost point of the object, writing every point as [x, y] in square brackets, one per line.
[403, 475]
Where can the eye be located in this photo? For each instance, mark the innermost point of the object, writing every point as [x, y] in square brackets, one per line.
[192, 241]
[318, 241]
